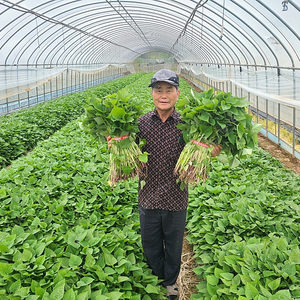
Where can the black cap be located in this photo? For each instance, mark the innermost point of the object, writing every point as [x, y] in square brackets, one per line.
[165, 75]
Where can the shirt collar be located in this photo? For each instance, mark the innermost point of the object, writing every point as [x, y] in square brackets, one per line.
[175, 115]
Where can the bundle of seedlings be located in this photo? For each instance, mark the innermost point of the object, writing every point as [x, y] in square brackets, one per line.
[115, 116]
[213, 119]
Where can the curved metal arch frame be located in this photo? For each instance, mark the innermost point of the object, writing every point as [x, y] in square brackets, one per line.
[64, 32]
[254, 17]
[120, 25]
[150, 15]
[195, 53]
[196, 39]
[33, 31]
[242, 34]
[214, 37]
[287, 26]
[28, 46]
[241, 20]
[77, 42]
[47, 38]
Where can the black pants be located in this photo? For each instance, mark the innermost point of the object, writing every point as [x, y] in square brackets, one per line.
[162, 236]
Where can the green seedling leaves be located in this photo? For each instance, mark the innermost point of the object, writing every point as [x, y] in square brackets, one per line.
[116, 116]
[75, 261]
[118, 113]
[214, 119]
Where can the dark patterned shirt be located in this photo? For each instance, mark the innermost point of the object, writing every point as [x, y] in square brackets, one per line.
[164, 144]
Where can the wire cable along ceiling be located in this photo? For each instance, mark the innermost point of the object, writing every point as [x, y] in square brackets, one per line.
[221, 32]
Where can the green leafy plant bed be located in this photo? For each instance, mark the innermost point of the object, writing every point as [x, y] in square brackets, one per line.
[65, 234]
[22, 130]
[244, 224]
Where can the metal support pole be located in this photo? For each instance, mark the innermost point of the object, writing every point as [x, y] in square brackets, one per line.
[294, 129]
[267, 116]
[278, 123]
[256, 109]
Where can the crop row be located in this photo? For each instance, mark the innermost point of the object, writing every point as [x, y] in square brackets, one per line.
[65, 234]
[245, 226]
[22, 130]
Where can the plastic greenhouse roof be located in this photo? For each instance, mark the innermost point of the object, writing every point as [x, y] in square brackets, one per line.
[76, 32]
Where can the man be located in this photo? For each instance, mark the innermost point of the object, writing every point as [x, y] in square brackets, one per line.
[162, 204]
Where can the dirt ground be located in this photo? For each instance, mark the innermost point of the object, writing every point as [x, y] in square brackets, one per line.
[187, 280]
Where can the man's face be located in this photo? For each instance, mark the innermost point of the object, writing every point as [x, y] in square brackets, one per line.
[165, 96]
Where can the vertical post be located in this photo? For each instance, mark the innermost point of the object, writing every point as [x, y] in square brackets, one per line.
[62, 83]
[267, 116]
[28, 97]
[19, 103]
[79, 84]
[294, 129]
[44, 90]
[67, 80]
[7, 105]
[37, 95]
[256, 109]
[279, 123]
[51, 89]
[56, 87]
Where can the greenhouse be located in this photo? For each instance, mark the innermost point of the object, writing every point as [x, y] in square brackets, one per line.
[70, 226]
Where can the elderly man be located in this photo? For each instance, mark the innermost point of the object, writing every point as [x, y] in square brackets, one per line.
[162, 204]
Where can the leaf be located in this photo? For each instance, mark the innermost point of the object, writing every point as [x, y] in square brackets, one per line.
[123, 278]
[290, 269]
[247, 151]
[273, 285]
[204, 116]
[26, 255]
[182, 103]
[227, 276]
[142, 183]
[22, 292]
[295, 256]
[40, 260]
[75, 261]
[234, 163]
[210, 238]
[118, 113]
[15, 286]
[5, 268]
[282, 295]
[113, 295]
[212, 289]
[143, 157]
[211, 279]
[69, 295]
[109, 259]
[3, 193]
[58, 290]
[89, 260]
[151, 289]
[250, 291]
[84, 281]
